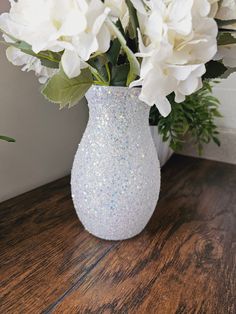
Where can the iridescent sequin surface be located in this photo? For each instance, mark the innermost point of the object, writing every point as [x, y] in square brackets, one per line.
[116, 173]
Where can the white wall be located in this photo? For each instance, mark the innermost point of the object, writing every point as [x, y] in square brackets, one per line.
[226, 92]
[46, 138]
[4, 5]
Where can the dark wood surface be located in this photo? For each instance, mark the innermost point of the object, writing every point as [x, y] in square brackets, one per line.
[184, 261]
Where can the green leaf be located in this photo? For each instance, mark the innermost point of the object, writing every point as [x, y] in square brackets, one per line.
[119, 75]
[214, 69]
[226, 38]
[193, 119]
[7, 139]
[222, 23]
[49, 63]
[216, 141]
[114, 51]
[64, 91]
[134, 24]
[48, 58]
[98, 67]
[134, 64]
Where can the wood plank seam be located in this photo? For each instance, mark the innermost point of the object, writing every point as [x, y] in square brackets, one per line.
[52, 307]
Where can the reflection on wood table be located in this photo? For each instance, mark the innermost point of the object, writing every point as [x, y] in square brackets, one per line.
[184, 261]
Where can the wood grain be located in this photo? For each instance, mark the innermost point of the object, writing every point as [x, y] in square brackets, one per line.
[183, 263]
[44, 250]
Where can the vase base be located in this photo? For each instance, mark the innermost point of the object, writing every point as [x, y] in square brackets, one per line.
[113, 237]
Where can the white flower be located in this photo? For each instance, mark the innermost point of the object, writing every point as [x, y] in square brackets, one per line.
[76, 26]
[220, 9]
[214, 8]
[227, 53]
[227, 10]
[30, 21]
[179, 38]
[72, 63]
[176, 39]
[119, 10]
[29, 63]
[206, 7]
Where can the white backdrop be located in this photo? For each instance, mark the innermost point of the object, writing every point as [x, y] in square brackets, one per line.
[226, 92]
[46, 138]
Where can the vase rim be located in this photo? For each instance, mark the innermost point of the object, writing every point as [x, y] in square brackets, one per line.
[113, 90]
[116, 88]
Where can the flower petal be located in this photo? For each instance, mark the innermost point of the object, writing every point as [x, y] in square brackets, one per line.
[71, 63]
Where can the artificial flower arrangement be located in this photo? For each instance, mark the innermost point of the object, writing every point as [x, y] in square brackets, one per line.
[166, 47]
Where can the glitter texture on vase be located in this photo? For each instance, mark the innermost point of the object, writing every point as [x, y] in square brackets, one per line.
[116, 172]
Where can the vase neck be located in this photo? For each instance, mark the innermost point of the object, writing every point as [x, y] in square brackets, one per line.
[117, 104]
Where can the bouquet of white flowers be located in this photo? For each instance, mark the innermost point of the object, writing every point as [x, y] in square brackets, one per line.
[167, 47]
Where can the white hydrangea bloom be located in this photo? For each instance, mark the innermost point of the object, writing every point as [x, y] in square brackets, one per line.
[220, 9]
[178, 40]
[29, 63]
[119, 10]
[206, 7]
[227, 10]
[76, 26]
[214, 7]
[227, 53]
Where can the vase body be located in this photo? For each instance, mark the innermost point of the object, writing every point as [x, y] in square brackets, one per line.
[116, 173]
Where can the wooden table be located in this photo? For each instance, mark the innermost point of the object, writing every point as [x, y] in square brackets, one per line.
[184, 262]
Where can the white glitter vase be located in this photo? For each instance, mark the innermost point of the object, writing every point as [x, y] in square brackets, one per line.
[116, 173]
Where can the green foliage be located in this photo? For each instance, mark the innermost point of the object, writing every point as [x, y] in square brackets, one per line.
[98, 67]
[119, 75]
[134, 24]
[7, 139]
[133, 62]
[214, 69]
[48, 58]
[119, 65]
[114, 51]
[192, 119]
[64, 91]
[223, 23]
[226, 38]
